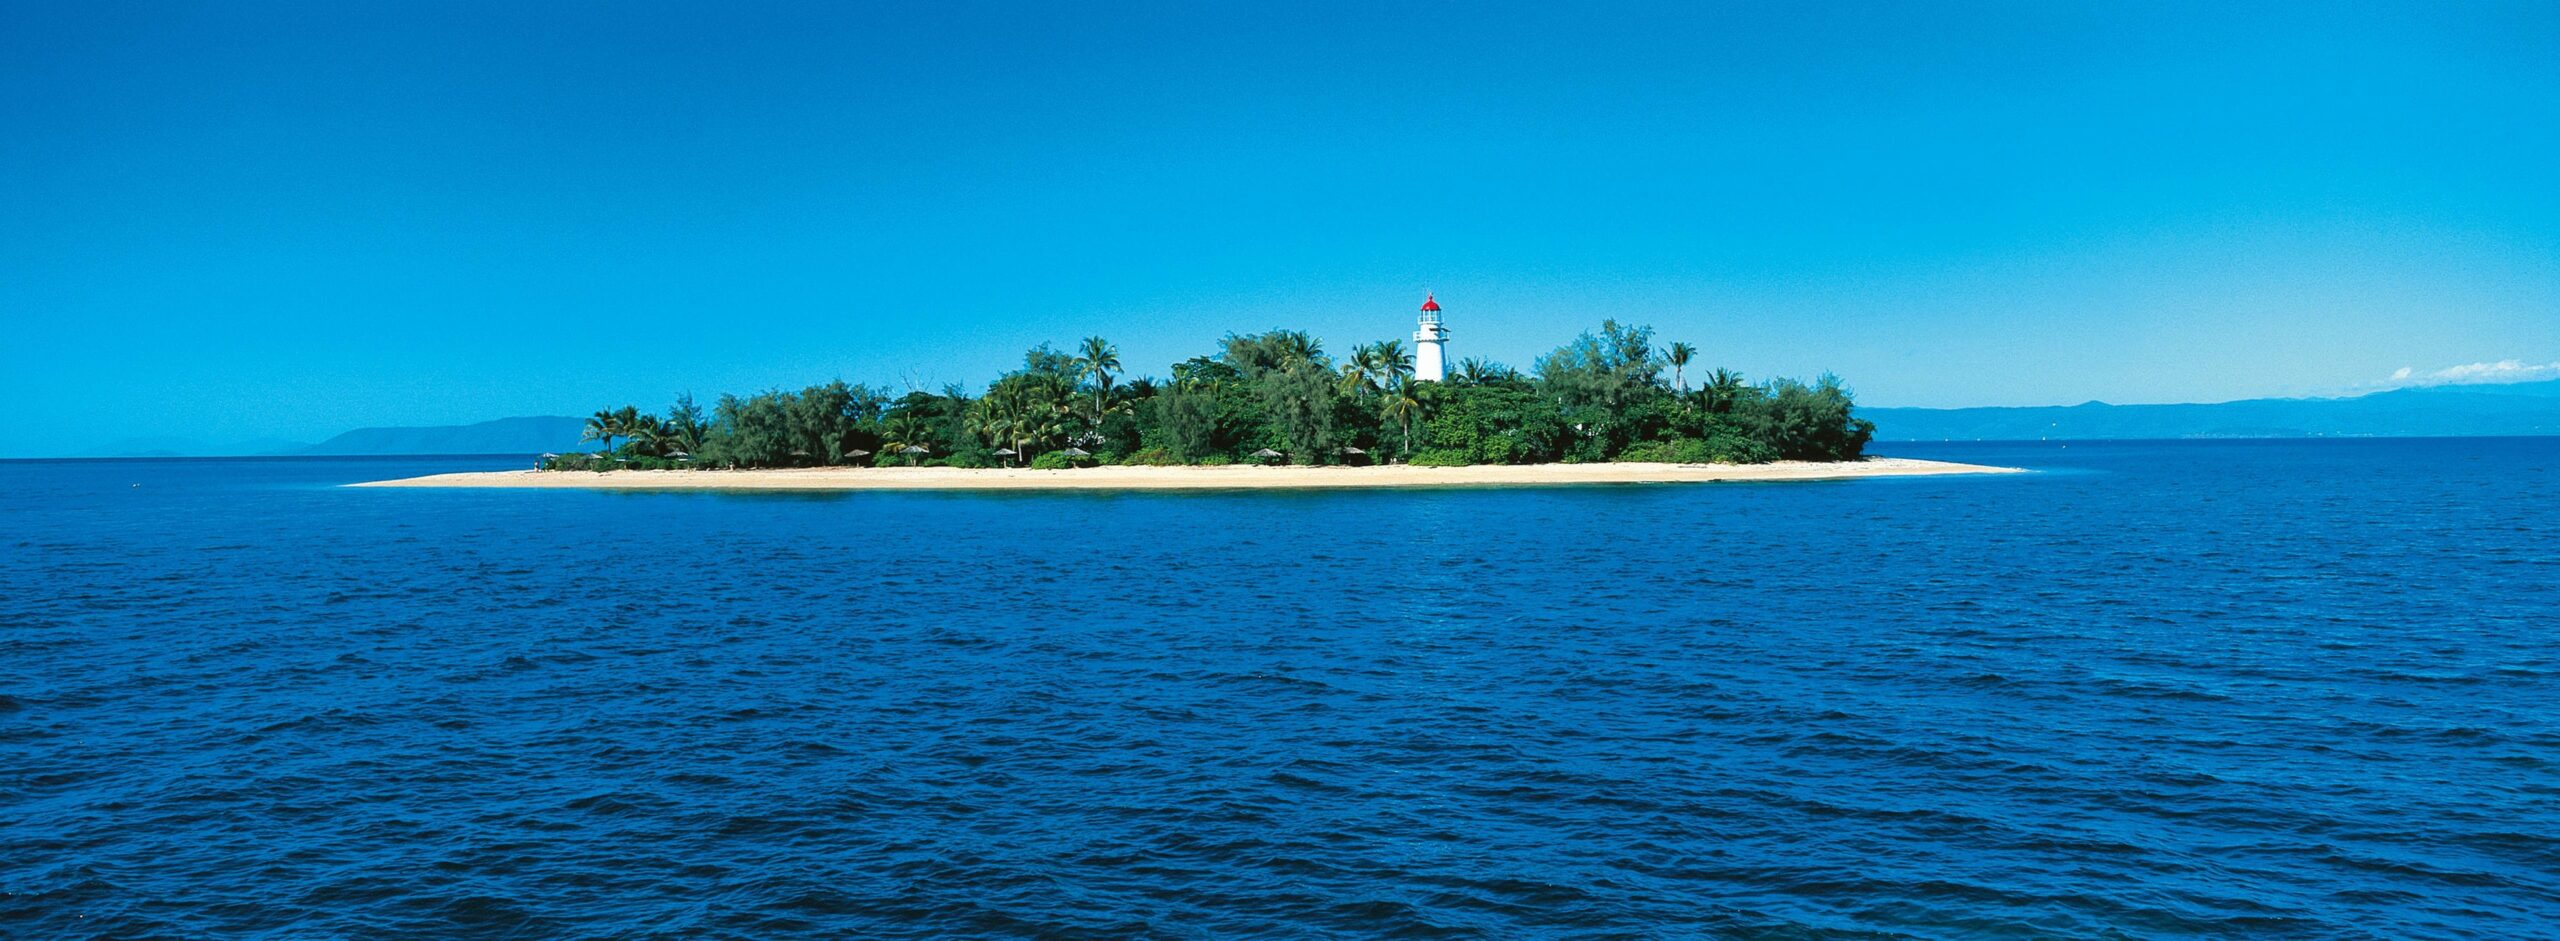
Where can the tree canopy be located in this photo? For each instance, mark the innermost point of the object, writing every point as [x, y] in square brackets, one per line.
[1602, 396]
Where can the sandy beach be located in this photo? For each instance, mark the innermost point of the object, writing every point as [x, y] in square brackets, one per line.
[1234, 477]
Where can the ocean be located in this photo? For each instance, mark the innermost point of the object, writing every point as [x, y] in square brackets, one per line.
[2267, 689]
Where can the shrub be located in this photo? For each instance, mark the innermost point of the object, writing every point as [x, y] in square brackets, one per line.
[1656, 452]
[1734, 448]
[1154, 457]
[1440, 457]
[1216, 460]
[1721, 449]
[1053, 460]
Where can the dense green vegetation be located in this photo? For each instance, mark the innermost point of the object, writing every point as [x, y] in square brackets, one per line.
[1266, 397]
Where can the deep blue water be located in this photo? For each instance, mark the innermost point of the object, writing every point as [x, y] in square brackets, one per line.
[2227, 689]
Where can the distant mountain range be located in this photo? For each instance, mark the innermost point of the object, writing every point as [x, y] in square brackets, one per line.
[2526, 408]
[533, 435]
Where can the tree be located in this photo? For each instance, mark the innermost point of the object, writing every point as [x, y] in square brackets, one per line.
[992, 421]
[1606, 370]
[1806, 423]
[601, 427]
[1026, 409]
[1395, 363]
[1260, 353]
[1599, 381]
[908, 430]
[1599, 397]
[1473, 371]
[1185, 422]
[1047, 359]
[1299, 404]
[1101, 360]
[1402, 409]
[754, 431]
[1205, 374]
[1361, 371]
[651, 437]
[1679, 356]
[1722, 389]
[686, 423]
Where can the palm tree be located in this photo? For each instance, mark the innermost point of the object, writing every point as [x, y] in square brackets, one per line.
[989, 419]
[1395, 365]
[1360, 371]
[1482, 371]
[1679, 355]
[603, 427]
[1101, 359]
[1402, 409]
[651, 437]
[1722, 388]
[906, 430]
[1299, 348]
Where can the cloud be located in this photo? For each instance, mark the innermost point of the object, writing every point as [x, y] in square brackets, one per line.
[2472, 374]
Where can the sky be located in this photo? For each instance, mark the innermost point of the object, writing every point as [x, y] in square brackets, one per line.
[254, 221]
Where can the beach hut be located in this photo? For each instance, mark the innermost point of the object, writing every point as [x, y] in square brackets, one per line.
[914, 451]
[856, 453]
[1352, 455]
[1007, 454]
[1267, 455]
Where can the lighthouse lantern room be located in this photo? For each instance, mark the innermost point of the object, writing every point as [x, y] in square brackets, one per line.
[1430, 362]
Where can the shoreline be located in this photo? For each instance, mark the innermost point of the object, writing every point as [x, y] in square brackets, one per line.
[1230, 477]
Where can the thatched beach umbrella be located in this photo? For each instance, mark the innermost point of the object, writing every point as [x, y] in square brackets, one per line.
[914, 451]
[857, 452]
[1076, 452]
[1267, 454]
[1349, 452]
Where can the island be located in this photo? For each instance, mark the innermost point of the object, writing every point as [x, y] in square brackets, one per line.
[1230, 477]
[1265, 410]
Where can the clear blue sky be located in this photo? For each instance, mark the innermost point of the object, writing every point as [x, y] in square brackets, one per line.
[231, 221]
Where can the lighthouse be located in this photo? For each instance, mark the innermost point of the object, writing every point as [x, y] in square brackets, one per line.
[1430, 363]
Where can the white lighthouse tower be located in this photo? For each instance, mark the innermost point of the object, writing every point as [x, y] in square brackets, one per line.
[1430, 362]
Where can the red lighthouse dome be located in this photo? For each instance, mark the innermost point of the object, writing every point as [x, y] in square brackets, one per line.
[1429, 304]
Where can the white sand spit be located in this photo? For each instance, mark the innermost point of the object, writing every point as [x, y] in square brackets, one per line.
[1234, 477]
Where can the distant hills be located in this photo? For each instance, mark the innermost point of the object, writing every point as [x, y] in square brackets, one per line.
[2527, 408]
[531, 435]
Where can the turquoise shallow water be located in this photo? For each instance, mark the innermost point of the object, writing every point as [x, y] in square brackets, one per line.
[2261, 689]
